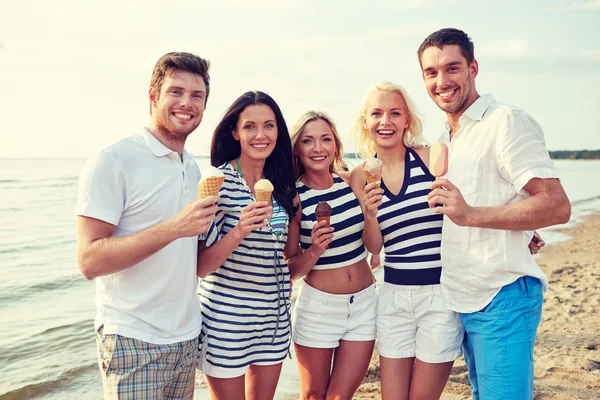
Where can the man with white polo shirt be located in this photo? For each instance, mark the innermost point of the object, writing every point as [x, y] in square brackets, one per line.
[138, 224]
[500, 186]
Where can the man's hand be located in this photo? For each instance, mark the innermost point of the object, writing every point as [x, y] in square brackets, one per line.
[444, 193]
[195, 218]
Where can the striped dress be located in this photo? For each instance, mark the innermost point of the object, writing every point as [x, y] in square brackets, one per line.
[245, 303]
[347, 218]
[412, 233]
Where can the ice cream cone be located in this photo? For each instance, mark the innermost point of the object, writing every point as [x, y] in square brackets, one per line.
[263, 190]
[323, 213]
[372, 169]
[263, 196]
[324, 218]
[372, 178]
[210, 186]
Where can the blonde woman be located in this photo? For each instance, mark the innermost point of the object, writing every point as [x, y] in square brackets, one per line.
[418, 339]
[335, 317]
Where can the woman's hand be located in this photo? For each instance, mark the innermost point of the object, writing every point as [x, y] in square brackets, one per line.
[536, 243]
[320, 236]
[254, 216]
[373, 195]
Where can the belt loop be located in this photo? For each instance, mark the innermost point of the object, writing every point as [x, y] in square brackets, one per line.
[522, 285]
[526, 282]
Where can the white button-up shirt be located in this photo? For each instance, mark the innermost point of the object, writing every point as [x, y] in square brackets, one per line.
[495, 153]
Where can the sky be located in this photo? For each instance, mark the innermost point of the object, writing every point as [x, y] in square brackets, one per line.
[74, 75]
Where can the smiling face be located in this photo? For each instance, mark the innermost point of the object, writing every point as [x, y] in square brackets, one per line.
[449, 80]
[316, 147]
[256, 130]
[386, 118]
[178, 110]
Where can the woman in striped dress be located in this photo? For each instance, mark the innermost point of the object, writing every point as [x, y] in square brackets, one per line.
[245, 291]
[336, 311]
[418, 339]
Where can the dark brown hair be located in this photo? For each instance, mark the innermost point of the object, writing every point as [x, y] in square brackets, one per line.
[446, 36]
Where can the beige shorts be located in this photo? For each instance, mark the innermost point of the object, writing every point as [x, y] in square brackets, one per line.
[133, 369]
[321, 320]
[414, 322]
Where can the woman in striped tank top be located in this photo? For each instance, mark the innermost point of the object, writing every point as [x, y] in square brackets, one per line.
[336, 310]
[418, 339]
[244, 295]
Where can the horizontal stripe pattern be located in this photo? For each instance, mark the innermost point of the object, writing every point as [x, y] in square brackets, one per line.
[346, 217]
[411, 231]
[245, 303]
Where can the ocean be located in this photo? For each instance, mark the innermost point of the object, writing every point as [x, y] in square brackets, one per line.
[47, 341]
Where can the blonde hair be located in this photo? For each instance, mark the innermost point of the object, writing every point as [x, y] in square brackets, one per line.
[412, 136]
[298, 128]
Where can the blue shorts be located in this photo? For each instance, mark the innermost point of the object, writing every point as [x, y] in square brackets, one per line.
[498, 343]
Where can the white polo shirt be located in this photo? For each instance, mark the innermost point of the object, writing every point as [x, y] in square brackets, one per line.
[497, 150]
[135, 184]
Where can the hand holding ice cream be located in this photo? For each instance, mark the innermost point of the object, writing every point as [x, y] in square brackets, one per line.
[322, 213]
[373, 194]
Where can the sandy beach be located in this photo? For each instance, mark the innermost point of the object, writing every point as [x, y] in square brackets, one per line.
[567, 351]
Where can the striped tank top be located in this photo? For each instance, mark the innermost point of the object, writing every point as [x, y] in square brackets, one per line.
[245, 303]
[347, 218]
[411, 231]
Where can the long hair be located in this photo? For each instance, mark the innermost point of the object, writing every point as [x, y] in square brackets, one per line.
[338, 162]
[278, 166]
[412, 136]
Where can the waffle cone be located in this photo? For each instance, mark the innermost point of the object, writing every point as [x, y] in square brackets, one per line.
[263, 196]
[372, 178]
[210, 186]
[324, 218]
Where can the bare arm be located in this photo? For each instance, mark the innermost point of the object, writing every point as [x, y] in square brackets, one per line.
[548, 205]
[99, 253]
[301, 263]
[369, 197]
[211, 258]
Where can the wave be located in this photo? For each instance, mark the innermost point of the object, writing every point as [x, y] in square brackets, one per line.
[36, 183]
[22, 248]
[19, 293]
[584, 201]
[62, 382]
[57, 338]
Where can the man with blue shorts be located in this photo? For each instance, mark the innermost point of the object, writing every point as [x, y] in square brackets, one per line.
[500, 186]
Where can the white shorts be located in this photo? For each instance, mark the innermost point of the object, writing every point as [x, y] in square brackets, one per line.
[414, 322]
[321, 320]
[223, 372]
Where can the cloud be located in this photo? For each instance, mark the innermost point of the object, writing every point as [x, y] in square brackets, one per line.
[416, 4]
[510, 49]
[591, 54]
[586, 5]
